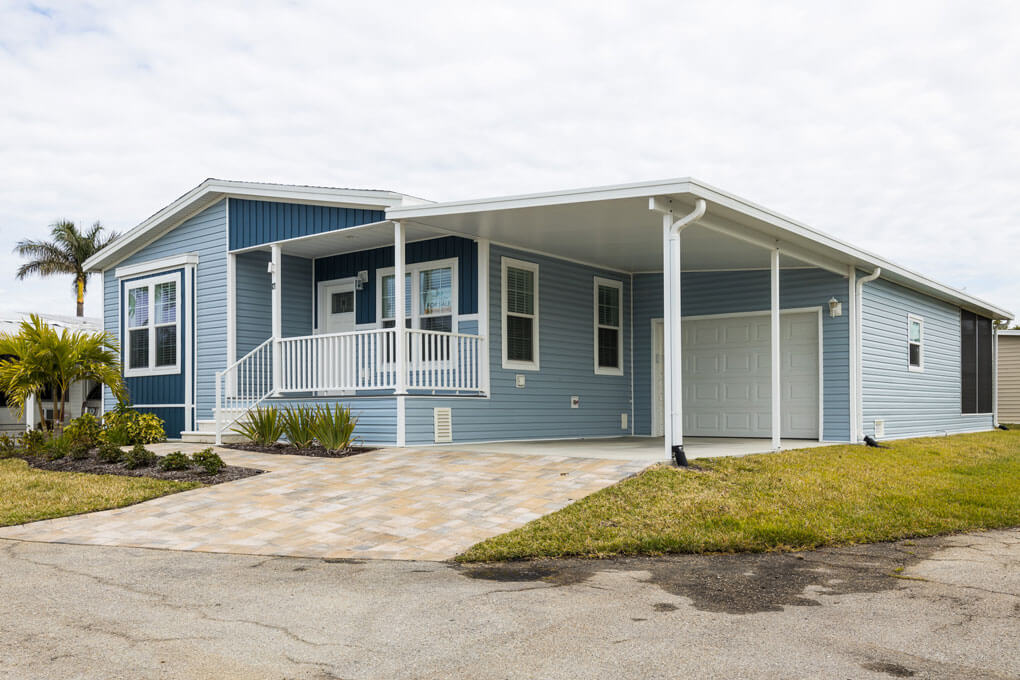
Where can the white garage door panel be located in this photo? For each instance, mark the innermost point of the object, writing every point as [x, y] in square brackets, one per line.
[727, 376]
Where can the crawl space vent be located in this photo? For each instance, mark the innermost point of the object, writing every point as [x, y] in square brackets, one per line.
[443, 418]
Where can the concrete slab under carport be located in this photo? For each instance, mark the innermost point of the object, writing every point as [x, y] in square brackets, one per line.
[647, 449]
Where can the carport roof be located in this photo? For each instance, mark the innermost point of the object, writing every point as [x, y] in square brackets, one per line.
[613, 225]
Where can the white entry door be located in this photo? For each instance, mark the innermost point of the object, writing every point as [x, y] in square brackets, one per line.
[727, 371]
[337, 307]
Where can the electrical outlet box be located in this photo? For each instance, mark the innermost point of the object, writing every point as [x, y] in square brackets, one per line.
[623, 421]
[519, 380]
[879, 428]
[575, 402]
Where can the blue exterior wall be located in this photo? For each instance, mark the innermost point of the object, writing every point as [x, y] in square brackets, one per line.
[541, 410]
[749, 291]
[349, 264]
[254, 299]
[377, 416]
[205, 235]
[912, 403]
[253, 223]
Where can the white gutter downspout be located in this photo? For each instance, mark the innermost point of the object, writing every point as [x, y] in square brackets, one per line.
[672, 384]
[858, 427]
[995, 376]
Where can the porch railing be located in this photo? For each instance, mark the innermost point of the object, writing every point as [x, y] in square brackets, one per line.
[359, 361]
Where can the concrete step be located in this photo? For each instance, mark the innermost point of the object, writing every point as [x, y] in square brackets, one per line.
[199, 437]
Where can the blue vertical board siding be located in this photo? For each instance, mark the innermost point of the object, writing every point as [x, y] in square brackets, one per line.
[348, 265]
[253, 222]
[377, 416]
[541, 410]
[912, 403]
[254, 301]
[205, 235]
[174, 420]
[749, 291]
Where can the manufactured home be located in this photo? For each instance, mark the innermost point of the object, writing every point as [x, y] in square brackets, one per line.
[1008, 363]
[654, 309]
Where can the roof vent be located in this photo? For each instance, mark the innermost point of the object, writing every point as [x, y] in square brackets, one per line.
[443, 419]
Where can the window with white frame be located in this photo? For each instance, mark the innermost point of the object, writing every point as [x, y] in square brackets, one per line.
[152, 326]
[520, 314]
[608, 337]
[915, 343]
[430, 293]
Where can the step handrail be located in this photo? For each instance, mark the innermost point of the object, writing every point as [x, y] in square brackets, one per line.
[247, 404]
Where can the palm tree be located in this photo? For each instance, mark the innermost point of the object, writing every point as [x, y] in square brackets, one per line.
[65, 254]
[37, 358]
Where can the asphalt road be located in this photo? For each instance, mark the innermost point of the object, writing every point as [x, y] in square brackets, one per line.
[939, 608]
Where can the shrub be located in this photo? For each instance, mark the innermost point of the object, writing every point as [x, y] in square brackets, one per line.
[334, 428]
[208, 460]
[8, 446]
[139, 457]
[56, 448]
[78, 449]
[85, 430]
[263, 426]
[299, 426]
[109, 452]
[33, 442]
[174, 461]
[125, 427]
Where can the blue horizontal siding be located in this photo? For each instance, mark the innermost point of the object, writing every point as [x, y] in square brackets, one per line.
[254, 303]
[541, 410]
[377, 416]
[749, 291]
[253, 223]
[347, 265]
[912, 403]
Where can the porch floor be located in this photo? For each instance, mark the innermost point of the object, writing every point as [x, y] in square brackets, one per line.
[642, 449]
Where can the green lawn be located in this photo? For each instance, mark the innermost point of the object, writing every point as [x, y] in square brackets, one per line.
[27, 494]
[786, 501]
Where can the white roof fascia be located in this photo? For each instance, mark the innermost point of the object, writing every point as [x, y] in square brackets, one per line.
[850, 254]
[213, 190]
[1009, 332]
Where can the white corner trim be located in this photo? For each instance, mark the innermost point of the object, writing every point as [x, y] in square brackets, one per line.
[155, 266]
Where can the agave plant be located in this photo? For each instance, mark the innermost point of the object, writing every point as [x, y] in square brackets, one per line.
[262, 426]
[334, 428]
[299, 426]
[38, 357]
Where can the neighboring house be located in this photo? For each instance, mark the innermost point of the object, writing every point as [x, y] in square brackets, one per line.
[84, 397]
[1009, 376]
[536, 317]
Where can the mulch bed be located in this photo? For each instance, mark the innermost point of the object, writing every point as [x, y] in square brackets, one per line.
[288, 450]
[93, 466]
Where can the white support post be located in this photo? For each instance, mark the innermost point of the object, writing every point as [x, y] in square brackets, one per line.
[673, 427]
[851, 317]
[399, 304]
[777, 420]
[276, 267]
[483, 314]
[30, 411]
[218, 413]
[231, 317]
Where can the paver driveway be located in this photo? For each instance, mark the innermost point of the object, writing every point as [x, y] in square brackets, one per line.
[390, 503]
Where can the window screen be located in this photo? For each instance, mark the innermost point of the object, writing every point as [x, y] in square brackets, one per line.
[520, 314]
[975, 363]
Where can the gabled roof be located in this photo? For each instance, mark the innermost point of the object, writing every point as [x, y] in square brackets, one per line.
[213, 190]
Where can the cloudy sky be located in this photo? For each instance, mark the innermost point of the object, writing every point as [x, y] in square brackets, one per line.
[894, 125]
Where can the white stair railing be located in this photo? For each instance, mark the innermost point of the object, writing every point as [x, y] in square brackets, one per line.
[242, 386]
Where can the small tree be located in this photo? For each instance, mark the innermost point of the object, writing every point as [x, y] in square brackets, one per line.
[38, 357]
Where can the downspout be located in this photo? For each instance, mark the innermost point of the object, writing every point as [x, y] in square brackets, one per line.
[858, 433]
[673, 427]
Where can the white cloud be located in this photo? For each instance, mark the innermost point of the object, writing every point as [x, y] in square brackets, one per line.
[891, 125]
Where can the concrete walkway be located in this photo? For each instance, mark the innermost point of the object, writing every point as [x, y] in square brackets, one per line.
[390, 503]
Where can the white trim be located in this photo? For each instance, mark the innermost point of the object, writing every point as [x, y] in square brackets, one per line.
[598, 281]
[995, 377]
[189, 399]
[776, 403]
[467, 317]
[911, 318]
[696, 189]
[231, 308]
[150, 284]
[156, 266]
[332, 232]
[761, 312]
[821, 375]
[655, 424]
[630, 308]
[854, 350]
[184, 406]
[414, 270]
[533, 267]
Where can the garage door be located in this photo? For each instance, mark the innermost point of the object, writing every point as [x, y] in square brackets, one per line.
[727, 376]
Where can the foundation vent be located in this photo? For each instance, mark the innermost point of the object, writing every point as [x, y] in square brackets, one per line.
[443, 419]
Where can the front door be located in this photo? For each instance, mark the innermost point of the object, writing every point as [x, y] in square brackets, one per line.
[338, 307]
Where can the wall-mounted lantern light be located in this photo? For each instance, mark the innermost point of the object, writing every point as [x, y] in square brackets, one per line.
[359, 283]
[835, 308]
